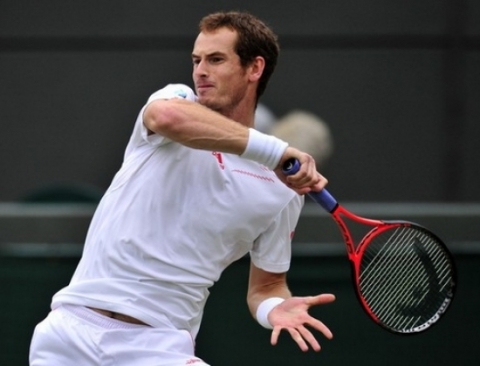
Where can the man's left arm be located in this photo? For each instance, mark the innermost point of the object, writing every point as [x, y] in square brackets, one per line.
[272, 304]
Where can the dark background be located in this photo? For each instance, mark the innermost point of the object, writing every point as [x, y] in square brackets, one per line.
[397, 81]
[40, 245]
[230, 337]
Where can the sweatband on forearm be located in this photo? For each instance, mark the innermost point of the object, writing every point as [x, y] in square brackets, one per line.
[264, 149]
[264, 309]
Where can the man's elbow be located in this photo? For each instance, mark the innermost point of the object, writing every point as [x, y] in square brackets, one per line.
[162, 117]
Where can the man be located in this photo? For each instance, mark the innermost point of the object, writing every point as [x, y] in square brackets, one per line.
[196, 192]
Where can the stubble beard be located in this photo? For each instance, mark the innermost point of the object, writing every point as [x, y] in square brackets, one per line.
[224, 108]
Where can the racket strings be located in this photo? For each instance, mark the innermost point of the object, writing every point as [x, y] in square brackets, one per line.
[393, 287]
[405, 277]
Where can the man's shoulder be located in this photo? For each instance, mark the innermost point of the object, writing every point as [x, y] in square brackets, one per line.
[171, 91]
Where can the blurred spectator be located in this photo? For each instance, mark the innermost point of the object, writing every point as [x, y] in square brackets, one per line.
[305, 131]
[265, 119]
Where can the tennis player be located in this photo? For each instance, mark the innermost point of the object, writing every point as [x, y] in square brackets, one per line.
[199, 188]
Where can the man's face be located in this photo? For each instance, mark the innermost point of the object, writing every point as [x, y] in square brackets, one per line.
[220, 81]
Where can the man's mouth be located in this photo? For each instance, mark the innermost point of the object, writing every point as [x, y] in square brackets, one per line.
[204, 86]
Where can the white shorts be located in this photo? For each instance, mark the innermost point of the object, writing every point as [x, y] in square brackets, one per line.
[76, 335]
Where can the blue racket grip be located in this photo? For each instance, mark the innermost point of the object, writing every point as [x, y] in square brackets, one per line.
[323, 198]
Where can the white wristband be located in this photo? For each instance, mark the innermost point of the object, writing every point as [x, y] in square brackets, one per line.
[264, 309]
[264, 149]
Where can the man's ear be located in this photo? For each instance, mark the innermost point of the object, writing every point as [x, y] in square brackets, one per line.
[256, 68]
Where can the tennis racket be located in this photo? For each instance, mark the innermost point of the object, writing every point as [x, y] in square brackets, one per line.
[404, 275]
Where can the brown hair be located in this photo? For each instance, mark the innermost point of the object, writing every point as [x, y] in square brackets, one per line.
[255, 38]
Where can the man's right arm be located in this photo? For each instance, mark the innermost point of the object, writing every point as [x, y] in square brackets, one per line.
[195, 126]
[198, 127]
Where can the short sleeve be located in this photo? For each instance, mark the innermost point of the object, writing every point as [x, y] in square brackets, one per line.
[140, 133]
[174, 91]
[272, 250]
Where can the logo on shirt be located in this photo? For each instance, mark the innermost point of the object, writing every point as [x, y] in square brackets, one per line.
[219, 158]
[181, 93]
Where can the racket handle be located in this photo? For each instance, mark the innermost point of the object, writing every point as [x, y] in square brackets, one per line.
[323, 198]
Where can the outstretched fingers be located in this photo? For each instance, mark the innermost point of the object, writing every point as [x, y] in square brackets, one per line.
[322, 328]
[320, 299]
[292, 316]
[315, 323]
[308, 337]
[301, 335]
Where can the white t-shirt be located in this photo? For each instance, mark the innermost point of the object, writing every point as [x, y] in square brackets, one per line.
[172, 220]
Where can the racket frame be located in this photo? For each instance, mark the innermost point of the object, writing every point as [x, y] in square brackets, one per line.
[356, 251]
